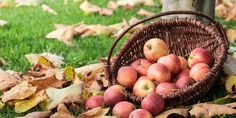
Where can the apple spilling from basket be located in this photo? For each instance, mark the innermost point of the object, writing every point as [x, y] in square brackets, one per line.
[153, 77]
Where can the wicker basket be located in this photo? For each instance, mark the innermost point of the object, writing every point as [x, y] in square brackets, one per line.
[182, 36]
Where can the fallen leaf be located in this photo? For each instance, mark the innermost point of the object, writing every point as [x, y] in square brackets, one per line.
[48, 9]
[145, 13]
[232, 15]
[32, 101]
[7, 80]
[87, 7]
[230, 84]
[69, 94]
[112, 5]
[6, 3]
[27, 2]
[230, 65]
[3, 23]
[100, 30]
[62, 112]
[53, 58]
[19, 92]
[3, 62]
[149, 3]
[38, 114]
[49, 80]
[98, 112]
[105, 11]
[179, 111]
[1, 105]
[225, 100]
[62, 34]
[69, 73]
[209, 110]
[231, 34]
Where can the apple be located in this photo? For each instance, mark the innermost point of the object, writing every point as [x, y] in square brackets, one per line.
[172, 62]
[94, 101]
[142, 77]
[158, 72]
[198, 71]
[127, 76]
[154, 103]
[183, 82]
[183, 72]
[141, 66]
[165, 88]
[143, 87]
[183, 62]
[123, 109]
[200, 55]
[155, 48]
[114, 94]
[140, 113]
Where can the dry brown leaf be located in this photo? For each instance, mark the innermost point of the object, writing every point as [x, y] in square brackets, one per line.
[149, 3]
[88, 7]
[98, 112]
[38, 114]
[105, 11]
[112, 5]
[58, 26]
[209, 110]
[27, 2]
[32, 101]
[3, 23]
[3, 62]
[100, 29]
[180, 111]
[53, 58]
[63, 34]
[48, 9]
[230, 65]
[48, 80]
[145, 13]
[231, 34]
[7, 80]
[62, 112]
[19, 92]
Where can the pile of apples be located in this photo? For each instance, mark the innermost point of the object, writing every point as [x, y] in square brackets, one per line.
[152, 77]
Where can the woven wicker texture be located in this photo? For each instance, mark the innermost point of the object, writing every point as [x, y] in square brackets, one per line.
[181, 36]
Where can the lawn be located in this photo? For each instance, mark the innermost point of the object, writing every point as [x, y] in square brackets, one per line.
[27, 27]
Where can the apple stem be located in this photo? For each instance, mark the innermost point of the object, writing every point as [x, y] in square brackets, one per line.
[149, 47]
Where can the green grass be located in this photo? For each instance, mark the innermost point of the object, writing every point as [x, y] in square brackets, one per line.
[28, 26]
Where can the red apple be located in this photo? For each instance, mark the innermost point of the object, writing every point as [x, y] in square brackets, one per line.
[183, 72]
[143, 87]
[127, 76]
[198, 71]
[123, 109]
[172, 62]
[141, 66]
[155, 48]
[183, 62]
[154, 103]
[140, 113]
[183, 82]
[200, 55]
[158, 72]
[165, 88]
[94, 101]
[114, 94]
[142, 77]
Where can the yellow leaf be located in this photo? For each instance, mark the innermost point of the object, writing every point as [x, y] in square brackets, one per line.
[32, 101]
[19, 92]
[1, 105]
[230, 84]
[44, 61]
[69, 72]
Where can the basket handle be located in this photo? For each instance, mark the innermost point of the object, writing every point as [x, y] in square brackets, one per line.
[152, 17]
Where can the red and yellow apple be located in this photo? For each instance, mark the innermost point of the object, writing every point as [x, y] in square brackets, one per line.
[140, 113]
[114, 94]
[123, 109]
[200, 55]
[183, 82]
[94, 101]
[198, 71]
[154, 103]
[158, 72]
[155, 48]
[143, 87]
[183, 72]
[127, 76]
[183, 62]
[172, 62]
[165, 88]
[141, 66]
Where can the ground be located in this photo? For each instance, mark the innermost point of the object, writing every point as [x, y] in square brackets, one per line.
[28, 26]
